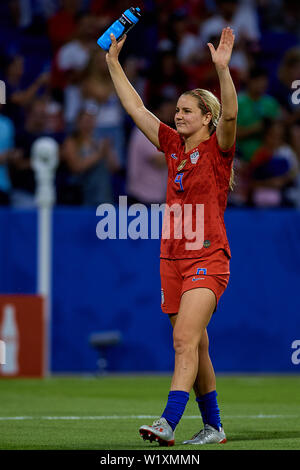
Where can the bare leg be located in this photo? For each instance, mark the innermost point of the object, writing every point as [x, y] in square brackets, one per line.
[195, 311]
[206, 380]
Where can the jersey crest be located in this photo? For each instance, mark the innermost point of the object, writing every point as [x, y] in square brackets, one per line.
[194, 157]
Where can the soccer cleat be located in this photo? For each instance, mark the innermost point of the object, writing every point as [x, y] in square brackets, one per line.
[160, 431]
[208, 435]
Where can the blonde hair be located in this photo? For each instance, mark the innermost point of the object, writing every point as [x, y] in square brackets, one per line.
[209, 103]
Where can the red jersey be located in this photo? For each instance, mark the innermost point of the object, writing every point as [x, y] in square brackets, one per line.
[199, 178]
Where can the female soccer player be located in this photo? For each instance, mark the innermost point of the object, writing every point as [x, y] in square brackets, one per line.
[200, 158]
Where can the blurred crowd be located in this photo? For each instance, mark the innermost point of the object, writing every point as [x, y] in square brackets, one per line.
[58, 85]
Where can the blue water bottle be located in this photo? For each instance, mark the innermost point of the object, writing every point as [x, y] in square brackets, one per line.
[120, 27]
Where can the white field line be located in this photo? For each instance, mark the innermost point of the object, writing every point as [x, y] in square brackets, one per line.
[112, 417]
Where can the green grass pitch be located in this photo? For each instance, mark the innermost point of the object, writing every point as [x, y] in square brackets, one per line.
[104, 413]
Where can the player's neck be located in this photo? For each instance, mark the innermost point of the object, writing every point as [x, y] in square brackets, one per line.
[194, 140]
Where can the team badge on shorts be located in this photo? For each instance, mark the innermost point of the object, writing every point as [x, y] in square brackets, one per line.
[194, 157]
[200, 272]
[162, 296]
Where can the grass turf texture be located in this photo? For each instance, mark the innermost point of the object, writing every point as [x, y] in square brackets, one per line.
[258, 413]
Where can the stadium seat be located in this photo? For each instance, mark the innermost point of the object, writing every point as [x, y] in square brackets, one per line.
[101, 341]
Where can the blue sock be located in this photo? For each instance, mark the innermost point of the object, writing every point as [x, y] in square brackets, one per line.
[209, 409]
[176, 404]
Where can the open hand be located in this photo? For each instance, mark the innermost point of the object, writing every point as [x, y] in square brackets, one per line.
[115, 48]
[221, 56]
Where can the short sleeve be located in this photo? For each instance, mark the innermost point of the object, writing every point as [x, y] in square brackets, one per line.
[167, 138]
[227, 154]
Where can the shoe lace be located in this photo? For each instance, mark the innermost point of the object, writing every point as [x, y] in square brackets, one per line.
[200, 433]
[158, 422]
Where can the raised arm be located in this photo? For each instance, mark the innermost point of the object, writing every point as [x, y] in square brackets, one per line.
[131, 101]
[226, 128]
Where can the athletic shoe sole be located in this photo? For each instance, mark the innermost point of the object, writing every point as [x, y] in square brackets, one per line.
[150, 436]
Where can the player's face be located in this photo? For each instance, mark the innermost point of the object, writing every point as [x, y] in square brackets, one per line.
[188, 116]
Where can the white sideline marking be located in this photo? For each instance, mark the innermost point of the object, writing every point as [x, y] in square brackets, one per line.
[102, 418]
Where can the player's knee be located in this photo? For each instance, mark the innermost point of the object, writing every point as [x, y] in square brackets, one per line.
[184, 343]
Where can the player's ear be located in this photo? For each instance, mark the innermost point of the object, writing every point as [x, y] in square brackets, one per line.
[207, 118]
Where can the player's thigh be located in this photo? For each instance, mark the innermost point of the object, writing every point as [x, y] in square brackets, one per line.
[195, 311]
